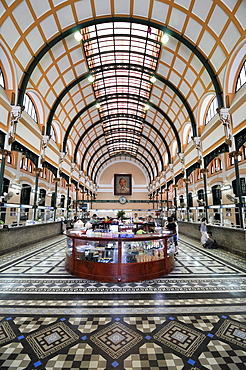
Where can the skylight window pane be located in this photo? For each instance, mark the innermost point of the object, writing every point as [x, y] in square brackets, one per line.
[121, 57]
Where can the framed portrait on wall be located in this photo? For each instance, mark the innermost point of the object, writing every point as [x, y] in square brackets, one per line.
[122, 184]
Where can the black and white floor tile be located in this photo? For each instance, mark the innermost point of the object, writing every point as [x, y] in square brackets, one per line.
[194, 318]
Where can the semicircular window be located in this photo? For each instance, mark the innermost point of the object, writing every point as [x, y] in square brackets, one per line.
[29, 107]
[241, 80]
[212, 110]
[2, 79]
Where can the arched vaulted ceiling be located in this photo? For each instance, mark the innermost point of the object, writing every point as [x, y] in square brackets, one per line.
[121, 48]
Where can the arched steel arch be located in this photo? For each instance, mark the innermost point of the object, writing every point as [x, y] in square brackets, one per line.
[176, 35]
[115, 156]
[102, 146]
[84, 76]
[99, 137]
[145, 122]
[145, 137]
[116, 115]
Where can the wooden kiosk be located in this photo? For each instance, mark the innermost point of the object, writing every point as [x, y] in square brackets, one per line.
[119, 258]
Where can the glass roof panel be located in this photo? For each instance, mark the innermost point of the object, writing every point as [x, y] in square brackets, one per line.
[122, 57]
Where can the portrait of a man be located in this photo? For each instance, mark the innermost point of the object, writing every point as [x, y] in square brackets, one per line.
[122, 184]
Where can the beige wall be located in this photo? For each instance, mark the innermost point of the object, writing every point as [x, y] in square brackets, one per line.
[106, 187]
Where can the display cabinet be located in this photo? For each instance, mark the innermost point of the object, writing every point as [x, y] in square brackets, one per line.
[119, 259]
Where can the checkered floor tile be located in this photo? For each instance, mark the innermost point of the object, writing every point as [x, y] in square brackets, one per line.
[192, 319]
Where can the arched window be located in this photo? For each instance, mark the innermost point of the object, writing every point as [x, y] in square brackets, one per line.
[199, 174]
[26, 165]
[30, 108]
[216, 194]
[240, 157]
[43, 174]
[2, 79]
[23, 164]
[190, 135]
[211, 112]
[9, 159]
[241, 80]
[190, 200]
[63, 182]
[53, 134]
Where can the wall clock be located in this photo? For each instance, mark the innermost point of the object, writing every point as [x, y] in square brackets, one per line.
[122, 200]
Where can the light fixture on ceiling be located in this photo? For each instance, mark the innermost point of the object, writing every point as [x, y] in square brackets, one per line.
[77, 35]
[91, 78]
[146, 107]
[98, 105]
[153, 79]
[164, 38]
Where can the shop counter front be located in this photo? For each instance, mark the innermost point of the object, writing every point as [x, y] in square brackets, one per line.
[121, 258]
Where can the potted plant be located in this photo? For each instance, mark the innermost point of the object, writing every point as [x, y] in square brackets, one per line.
[121, 215]
[1, 224]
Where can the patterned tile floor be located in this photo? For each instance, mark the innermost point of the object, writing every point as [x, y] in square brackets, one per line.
[194, 318]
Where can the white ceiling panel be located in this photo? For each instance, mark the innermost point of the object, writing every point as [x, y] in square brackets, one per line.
[230, 36]
[193, 30]
[49, 26]
[34, 39]
[141, 8]
[177, 19]
[40, 7]
[65, 16]
[122, 7]
[218, 20]
[23, 16]
[159, 11]
[83, 9]
[201, 8]
[102, 7]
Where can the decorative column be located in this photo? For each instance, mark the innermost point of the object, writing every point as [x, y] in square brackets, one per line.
[14, 119]
[37, 170]
[161, 199]
[56, 180]
[187, 195]
[175, 200]
[4, 153]
[68, 186]
[76, 200]
[235, 155]
[167, 190]
[44, 144]
[204, 171]
[225, 119]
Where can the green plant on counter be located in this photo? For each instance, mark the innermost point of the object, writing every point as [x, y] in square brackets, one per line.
[121, 215]
[2, 222]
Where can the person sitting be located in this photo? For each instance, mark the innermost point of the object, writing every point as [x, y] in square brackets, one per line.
[94, 219]
[140, 231]
[150, 224]
[135, 218]
[210, 242]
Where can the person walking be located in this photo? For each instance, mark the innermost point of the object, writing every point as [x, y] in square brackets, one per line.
[203, 230]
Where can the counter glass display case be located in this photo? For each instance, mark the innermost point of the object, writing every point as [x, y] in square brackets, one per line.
[119, 259]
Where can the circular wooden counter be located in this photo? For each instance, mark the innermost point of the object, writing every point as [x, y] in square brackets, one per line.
[119, 259]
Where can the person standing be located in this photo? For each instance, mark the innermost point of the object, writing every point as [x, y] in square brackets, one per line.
[203, 230]
[172, 226]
